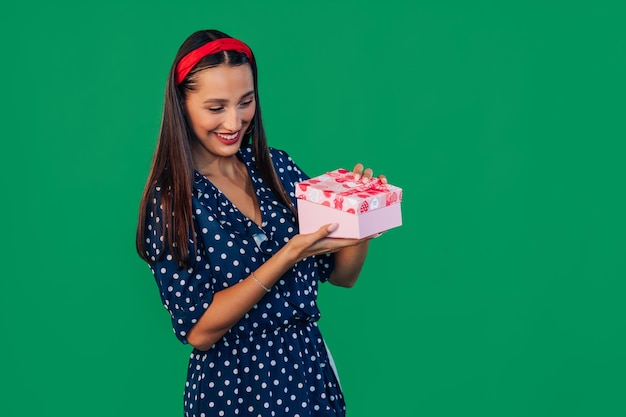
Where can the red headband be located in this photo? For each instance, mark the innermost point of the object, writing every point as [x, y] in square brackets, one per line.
[223, 44]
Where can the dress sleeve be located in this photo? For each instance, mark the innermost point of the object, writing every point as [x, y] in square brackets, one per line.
[186, 293]
[325, 265]
[290, 174]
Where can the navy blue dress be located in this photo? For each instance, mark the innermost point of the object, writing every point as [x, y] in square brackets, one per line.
[273, 362]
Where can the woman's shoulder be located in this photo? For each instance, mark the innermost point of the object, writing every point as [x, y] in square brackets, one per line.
[275, 152]
[285, 165]
[281, 158]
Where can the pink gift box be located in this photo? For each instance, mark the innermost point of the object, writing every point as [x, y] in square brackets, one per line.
[359, 208]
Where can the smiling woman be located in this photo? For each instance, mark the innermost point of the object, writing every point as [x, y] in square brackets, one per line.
[218, 227]
[220, 110]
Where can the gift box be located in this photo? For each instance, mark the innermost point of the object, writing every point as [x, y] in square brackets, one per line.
[359, 208]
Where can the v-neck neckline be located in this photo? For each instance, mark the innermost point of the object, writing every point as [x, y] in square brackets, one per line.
[257, 194]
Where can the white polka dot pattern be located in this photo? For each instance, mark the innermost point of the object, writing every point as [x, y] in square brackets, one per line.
[273, 361]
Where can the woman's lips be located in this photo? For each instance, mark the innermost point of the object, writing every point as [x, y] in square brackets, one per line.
[228, 138]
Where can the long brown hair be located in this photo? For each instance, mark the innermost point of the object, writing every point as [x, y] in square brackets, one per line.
[172, 167]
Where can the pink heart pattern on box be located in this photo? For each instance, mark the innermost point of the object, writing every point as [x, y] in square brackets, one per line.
[338, 189]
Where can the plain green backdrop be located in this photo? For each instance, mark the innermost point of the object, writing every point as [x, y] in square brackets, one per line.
[504, 122]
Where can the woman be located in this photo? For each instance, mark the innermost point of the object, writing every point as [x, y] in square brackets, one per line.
[218, 228]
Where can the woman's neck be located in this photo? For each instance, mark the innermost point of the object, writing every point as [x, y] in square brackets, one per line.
[225, 167]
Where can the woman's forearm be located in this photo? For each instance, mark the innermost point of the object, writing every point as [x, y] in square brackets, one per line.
[348, 264]
[231, 304]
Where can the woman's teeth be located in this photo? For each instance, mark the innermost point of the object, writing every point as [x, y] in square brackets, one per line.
[228, 137]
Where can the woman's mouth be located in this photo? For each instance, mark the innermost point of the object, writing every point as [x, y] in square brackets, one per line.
[228, 138]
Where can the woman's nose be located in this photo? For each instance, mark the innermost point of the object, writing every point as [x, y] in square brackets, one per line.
[232, 120]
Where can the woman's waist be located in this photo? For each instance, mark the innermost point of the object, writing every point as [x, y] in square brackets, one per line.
[242, 335]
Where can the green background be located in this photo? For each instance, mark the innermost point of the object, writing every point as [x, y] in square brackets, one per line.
[501, 295]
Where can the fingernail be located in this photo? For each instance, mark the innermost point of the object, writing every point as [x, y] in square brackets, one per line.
[357, 177]
[332, 227]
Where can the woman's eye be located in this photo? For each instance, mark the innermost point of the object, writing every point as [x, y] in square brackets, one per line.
[215, 109]
[246, 103]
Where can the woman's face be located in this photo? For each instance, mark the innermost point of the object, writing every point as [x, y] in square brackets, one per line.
[220, 110]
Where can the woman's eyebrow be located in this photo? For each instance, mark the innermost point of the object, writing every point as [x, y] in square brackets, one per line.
[247, 94]
[223, 100]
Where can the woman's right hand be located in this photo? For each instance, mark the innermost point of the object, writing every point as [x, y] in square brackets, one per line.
[317, 243]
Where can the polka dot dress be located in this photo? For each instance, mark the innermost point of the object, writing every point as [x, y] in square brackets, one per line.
[273, 362]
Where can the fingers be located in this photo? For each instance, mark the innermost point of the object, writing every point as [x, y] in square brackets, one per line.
[358, 171]
[325, 230]
[322, 235]
[362, 174]
[366, 174]
[319, 242]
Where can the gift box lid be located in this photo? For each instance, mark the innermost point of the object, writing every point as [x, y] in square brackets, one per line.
[338, 189]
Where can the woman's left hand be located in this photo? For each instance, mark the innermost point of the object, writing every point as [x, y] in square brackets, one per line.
[366, 174]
